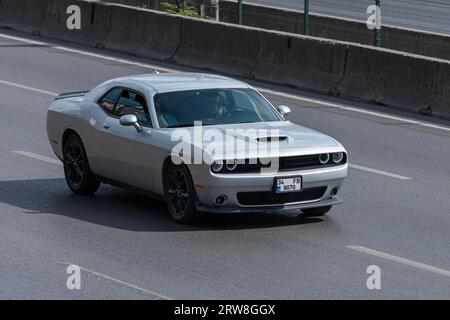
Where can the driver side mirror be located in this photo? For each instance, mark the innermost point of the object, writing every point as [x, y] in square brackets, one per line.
[130, 120]
[284, 110]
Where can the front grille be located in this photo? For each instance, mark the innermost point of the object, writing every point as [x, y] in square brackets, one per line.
[271, 198]
[295, 162]
[310, 161]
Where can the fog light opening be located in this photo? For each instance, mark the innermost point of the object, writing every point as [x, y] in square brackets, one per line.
[220, 200]
[334, 192]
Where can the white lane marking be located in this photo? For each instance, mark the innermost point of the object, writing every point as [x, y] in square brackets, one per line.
[119, 281]
[38, 157]
[21, 86]
[273, 92]
[404, 261]
[379, 172]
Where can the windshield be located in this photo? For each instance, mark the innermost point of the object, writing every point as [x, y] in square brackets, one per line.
[212, 107]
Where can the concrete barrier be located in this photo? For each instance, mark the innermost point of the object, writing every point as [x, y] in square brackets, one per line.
[218, 46]
[389, 78]
[423, 43]
[301, 62]
[141, 32]
[55, 18]
[396, 38]
[392, 78]
[24, 15]
[440, 104]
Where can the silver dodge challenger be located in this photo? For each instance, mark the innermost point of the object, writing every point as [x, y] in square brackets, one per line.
[200, 142]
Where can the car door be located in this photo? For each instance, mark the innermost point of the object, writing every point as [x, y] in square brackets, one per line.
[126, 152]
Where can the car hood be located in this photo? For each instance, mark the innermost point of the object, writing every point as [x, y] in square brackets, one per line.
[293, 139]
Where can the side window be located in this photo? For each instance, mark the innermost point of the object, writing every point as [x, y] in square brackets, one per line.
[132, 103]
[109, 100]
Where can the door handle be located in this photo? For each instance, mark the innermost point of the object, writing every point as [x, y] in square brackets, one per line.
[106, 125]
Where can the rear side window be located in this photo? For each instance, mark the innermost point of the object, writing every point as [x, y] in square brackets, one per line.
[118, 102]
[109, 100]
[132, 103]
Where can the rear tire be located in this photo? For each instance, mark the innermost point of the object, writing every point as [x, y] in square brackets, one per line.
[180, 194]
[78, 174]
[316, 212]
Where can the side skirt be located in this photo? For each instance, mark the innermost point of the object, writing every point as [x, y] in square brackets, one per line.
[128, 187]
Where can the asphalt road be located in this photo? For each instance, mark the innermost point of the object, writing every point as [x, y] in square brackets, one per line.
[428, 15]
[128, 247]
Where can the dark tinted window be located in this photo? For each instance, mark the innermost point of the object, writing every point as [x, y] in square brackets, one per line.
[132, 103]
[109, 100]
[212, 107]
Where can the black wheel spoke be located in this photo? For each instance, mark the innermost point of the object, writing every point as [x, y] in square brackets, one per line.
[70, 175]
[173, 179]
[70, 157]
[177, 191]
[74, 163]
[177, 178]
[79, 172]
[180, 205]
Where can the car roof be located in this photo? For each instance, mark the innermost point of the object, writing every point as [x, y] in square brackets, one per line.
[180, 81]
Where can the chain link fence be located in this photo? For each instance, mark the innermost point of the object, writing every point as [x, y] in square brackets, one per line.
[423, 15]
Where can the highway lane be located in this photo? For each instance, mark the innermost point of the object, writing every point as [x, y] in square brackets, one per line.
[130, 241]
[429, 15]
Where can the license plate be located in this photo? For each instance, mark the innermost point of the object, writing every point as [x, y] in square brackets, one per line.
[291, 184]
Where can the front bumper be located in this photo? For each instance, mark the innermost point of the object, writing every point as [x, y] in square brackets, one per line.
[210, 186]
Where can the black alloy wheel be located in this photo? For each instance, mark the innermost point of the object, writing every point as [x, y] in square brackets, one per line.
[180, 194]
[77, 172]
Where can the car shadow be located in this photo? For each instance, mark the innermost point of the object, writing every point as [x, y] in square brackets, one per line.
[121, 209]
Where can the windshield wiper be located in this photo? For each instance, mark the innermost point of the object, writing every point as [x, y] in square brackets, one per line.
[181, 125]
[189, 125]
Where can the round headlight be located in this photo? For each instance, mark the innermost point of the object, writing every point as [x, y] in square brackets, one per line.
[338, 157]
[231, 164]
[324, 158]
[216, 166]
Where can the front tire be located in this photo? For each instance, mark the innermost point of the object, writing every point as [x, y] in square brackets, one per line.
[316, 212]
[180, 194]
[78, 174]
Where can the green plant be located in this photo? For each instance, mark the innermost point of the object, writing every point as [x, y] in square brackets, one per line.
[182, 9]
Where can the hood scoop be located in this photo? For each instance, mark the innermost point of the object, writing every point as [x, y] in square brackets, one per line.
[271, 139]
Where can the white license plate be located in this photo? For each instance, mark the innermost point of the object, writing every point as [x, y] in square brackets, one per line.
[292, 184]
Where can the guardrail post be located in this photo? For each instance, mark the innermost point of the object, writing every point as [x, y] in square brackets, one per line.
[378, 23]
[240, 11]
[178, 3]
[217, 10]
[306, 18]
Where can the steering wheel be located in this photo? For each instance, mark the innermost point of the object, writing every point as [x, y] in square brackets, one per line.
[233, 112]
[240, 115]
